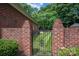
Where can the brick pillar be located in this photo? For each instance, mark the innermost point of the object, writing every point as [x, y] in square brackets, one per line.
[57, 36]
[26, 40]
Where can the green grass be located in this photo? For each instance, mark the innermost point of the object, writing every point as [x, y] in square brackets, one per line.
[42, 44]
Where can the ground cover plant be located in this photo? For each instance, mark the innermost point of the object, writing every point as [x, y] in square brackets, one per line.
[8, 47]
[74, 51]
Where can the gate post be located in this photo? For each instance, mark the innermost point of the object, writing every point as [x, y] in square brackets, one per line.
[57, 36]
[26, 40]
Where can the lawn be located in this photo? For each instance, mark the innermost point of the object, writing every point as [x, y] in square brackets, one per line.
[42, 44]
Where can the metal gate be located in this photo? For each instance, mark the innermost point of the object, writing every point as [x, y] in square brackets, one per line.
[42, 43]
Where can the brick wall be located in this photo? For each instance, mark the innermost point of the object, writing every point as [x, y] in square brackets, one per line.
[14, 25]
[72, 37]
[64, 37]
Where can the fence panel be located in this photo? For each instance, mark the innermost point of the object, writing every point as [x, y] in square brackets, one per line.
[42, 43]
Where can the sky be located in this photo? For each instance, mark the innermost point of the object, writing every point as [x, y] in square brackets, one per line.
[37, 5]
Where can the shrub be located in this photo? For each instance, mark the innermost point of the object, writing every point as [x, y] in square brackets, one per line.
[8, 47]
[74, 51]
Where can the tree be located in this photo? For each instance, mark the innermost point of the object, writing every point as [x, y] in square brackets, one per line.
[45, 17]
[29, 9]
[69, 13]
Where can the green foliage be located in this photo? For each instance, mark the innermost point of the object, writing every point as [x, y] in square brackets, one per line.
[69, 51]
[8, 47]
[44, 20]
[29, 9]
[69, 13]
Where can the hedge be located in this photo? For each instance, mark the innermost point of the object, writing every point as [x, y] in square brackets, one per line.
[74, 51]
[8, 47]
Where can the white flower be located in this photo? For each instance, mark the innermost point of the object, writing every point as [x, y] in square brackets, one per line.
[62, 48]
